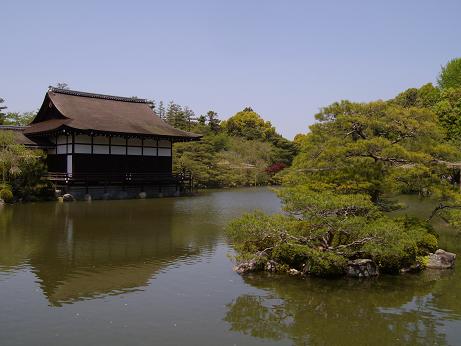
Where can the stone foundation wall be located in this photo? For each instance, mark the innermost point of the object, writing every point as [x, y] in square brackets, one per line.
[117, 192]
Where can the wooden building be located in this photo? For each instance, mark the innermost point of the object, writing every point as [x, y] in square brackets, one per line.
[102, 139]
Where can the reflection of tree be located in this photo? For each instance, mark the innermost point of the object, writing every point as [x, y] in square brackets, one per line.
[386, 311]
[13, 250]
[249, 315]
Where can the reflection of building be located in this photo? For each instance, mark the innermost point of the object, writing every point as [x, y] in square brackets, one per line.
[80, 251]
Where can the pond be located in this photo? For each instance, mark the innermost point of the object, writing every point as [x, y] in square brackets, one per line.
[145, 272]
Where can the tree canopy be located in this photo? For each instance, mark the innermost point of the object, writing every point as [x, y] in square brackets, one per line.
[2, 108]
[18, 119]
[373, 148]
[444, 103]
[249, 125]
[450, 76]
[21, 171]
[232, 152]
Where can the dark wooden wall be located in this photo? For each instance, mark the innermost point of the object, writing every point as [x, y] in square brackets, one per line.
[57, 163]
[87, 163]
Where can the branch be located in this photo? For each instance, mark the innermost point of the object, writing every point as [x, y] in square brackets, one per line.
[447, 163]
[395, 160]
[441, 207]
[356, 243]
[263, 252]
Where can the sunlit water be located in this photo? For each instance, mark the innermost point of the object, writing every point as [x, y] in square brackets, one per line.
[157, 272]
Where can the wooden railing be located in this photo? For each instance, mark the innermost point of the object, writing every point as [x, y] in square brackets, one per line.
[107, 178]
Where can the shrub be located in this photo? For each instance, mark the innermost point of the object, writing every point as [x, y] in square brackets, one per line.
[6, 194]
[294, 255]
[325, 264]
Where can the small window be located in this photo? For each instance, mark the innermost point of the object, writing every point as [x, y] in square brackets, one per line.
[164, 143]
[118, 150]
[101, 140]
[150, 151]
[82, 148]
[118, 141]
[135, 142]
[164, 152]
[134, 151]
[100, 149]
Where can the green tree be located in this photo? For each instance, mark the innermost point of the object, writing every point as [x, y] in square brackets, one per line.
[189, 117]
[201, 120]
[448, 111]
[445, 103]
[13, 157]
[19, 119]
[425, 97]
[199, 159]
[408, 98]
[62, 85]
[152, 105]
[2, 108]
[450, 76]
[22, 170]
[248, 124]
[161, 110]
[283, 150]
[370, 148]
[175, 116]
[213, 121]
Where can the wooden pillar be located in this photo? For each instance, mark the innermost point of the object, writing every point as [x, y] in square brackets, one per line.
[459, 179]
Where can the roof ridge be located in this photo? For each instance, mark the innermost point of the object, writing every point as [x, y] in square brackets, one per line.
[97, 96]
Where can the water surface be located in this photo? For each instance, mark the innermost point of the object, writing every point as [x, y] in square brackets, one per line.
[144, 272]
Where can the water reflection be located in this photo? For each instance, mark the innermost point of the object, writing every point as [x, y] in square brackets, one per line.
[384, 311]
[172, 253]
[87, 250]
[84, 250]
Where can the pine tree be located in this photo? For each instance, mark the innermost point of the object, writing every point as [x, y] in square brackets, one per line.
[213, 121]
[152, 105]
[189, 116]
[62, 85]
[175, 116]
[2, 115]
[161, 110]
[202, 120]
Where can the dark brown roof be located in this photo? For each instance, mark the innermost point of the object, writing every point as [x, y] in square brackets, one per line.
[86, 111]
[19, 138]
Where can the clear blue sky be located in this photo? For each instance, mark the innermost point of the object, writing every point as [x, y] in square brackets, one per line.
[286, 59]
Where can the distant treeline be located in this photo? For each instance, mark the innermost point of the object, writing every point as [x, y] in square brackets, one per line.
[241, 151]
